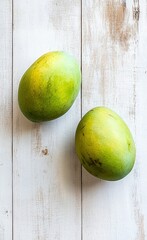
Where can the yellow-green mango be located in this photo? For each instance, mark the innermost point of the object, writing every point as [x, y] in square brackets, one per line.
[49, 87]
[104, 144]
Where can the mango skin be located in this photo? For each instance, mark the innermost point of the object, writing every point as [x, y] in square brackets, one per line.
[49, 87]
[104, 144]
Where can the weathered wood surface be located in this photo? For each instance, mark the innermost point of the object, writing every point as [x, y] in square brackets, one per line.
[47, 175]
[5, 120]
[48, 197]
[114, 75]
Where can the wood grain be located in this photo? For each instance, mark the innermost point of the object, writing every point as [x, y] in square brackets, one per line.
[114, 75]
[47, 175]
[139, 194]
[6, 120]
[48, 199]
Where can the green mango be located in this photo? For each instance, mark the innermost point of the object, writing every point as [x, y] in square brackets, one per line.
[104, 144]
[49, 87]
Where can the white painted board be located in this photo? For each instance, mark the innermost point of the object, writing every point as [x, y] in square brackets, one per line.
[47, 175]
[5, 120]
[114, 75]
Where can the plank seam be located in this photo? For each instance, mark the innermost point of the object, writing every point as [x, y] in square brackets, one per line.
[12, 125]
[81, 118]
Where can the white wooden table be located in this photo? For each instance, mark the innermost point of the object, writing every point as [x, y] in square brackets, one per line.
[44, 193]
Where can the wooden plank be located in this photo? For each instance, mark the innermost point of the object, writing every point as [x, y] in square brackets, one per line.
[47, 175]
[114, 74]
[140, 181]
[6, 120]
